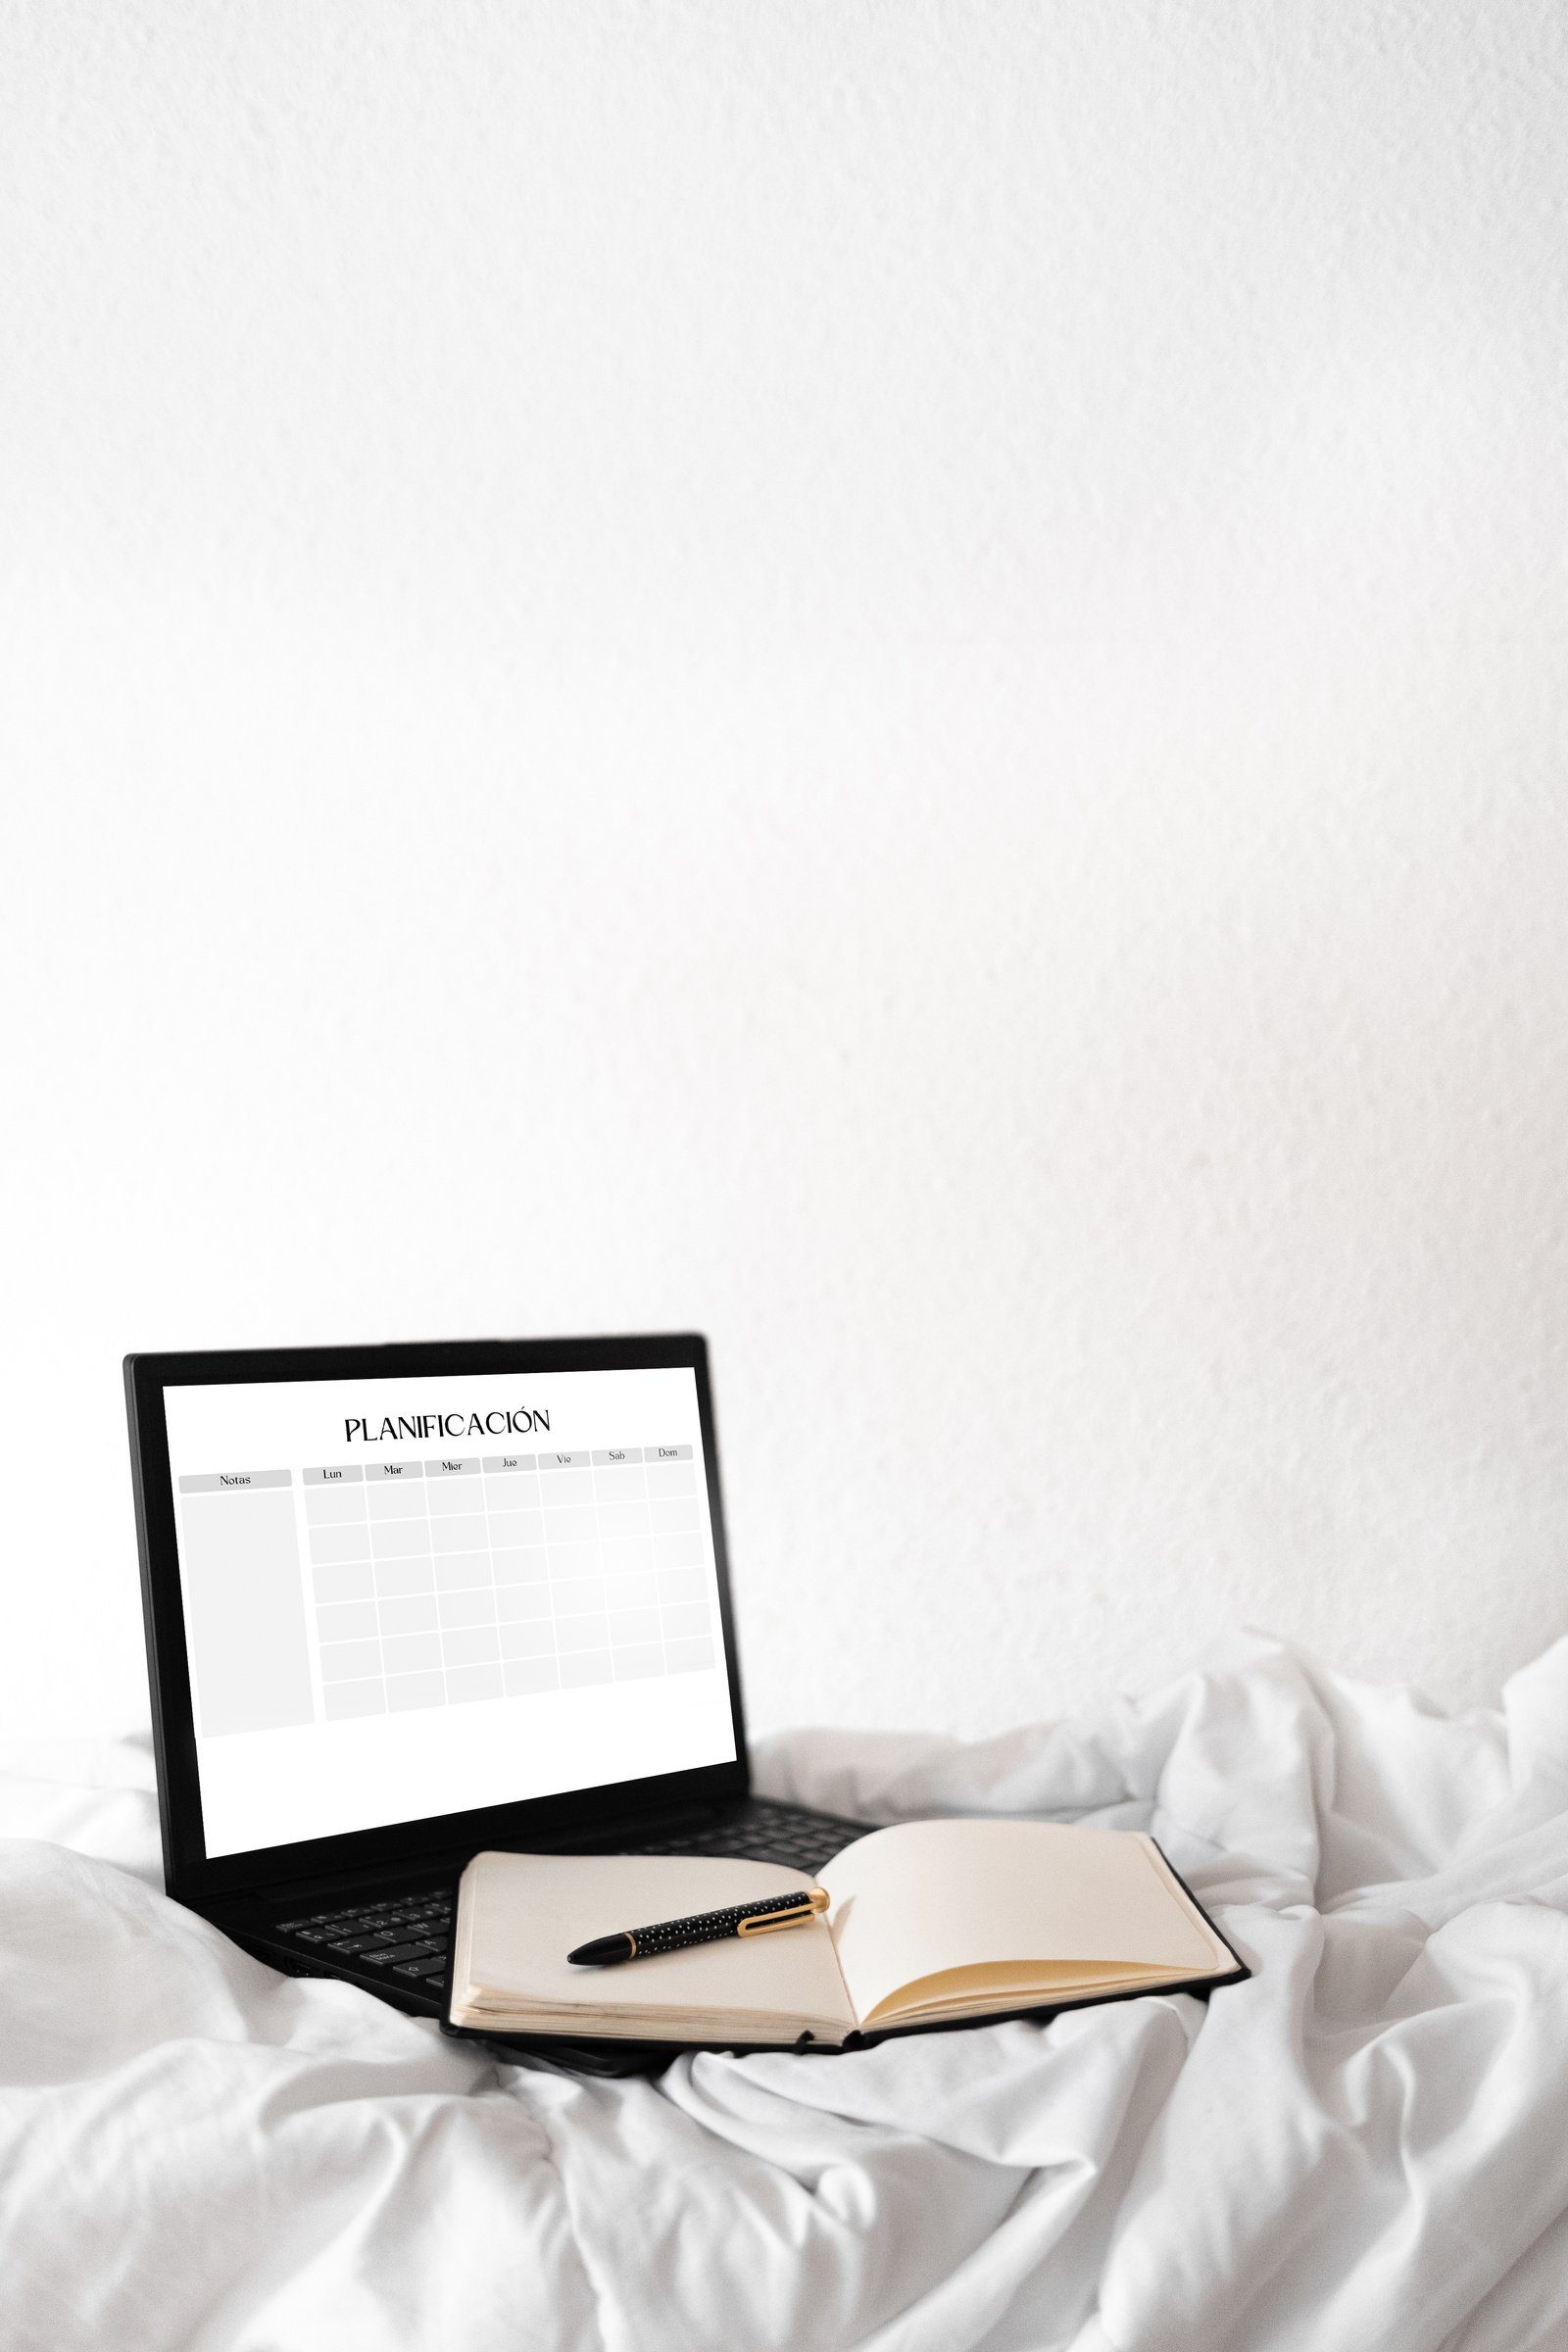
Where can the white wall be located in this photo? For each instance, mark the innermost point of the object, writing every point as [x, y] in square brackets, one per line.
[887, 679]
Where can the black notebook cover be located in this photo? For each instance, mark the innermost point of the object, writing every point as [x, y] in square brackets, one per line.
[614, 2054]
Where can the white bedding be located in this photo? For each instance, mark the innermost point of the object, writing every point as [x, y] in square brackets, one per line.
[1366, 2146]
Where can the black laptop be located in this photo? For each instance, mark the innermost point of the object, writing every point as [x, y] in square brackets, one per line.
[405, 1602]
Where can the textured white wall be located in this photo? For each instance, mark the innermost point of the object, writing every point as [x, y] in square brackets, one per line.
[887, 679]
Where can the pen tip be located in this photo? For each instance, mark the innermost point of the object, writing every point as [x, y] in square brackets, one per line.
[603, 1952]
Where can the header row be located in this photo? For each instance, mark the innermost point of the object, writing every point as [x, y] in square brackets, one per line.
[469, 1465]
[452, 1465]
[236, 1478]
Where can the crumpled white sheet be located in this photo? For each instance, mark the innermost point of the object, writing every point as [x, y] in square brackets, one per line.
[1367, 2145]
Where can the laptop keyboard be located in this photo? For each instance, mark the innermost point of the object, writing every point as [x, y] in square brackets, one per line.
[764, 1833]
[406, 1938]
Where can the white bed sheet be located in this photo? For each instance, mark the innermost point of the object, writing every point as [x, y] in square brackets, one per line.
[1367, 2145]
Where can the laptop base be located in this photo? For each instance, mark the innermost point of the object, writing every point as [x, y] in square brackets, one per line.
[390, 1934]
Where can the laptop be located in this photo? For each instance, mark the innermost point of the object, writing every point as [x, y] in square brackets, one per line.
[403, 1603]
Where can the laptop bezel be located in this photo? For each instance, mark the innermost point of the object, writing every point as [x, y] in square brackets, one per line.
[190, 1874]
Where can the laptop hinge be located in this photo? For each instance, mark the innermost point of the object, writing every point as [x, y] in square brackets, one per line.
[448, 1861]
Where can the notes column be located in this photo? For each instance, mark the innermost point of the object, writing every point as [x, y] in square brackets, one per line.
[246, 1612]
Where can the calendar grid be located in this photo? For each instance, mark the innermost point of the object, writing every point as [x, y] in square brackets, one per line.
[465, 1577]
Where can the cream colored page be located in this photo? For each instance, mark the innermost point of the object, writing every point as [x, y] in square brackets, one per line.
[927, 1897]
[529, 1910]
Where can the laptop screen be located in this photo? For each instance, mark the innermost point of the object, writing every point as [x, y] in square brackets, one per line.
[411, 1596]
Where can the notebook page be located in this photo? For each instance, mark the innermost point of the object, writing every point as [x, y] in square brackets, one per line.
[529, 1910]
[928, 1896]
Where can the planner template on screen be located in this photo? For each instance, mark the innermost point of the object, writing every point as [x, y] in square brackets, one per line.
[409, 1597]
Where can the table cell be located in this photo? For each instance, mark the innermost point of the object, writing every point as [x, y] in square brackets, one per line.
[590, 1631]
[567, 1485]
[347, 1621]
[512, 1493]
[235, 1481]
[620, 1488]
[569, 1523]
[671, 1478]
[466, 1683]
[623, 1519]
[585, 1666]
[682, 1618]
[245, 1611]
[471, 1645]
[332, 1544]
[514, 1603]
[572, 1595]
[688, 1657]
[346, 1699]
[520, 1567]
[640, 1663]
[632, 1591]
[525, 1676]
[355, 1582]
[411, 1654]
[328, 1506]
[536, 1641]
[627, 1555]
[349, 1661]
[399, 1499]
[508, 1529]
[632, 1626]
[468, 1608]
[416, 1691]
[673, 1518]
[399, 1538]
[464, 1531]
[398, 1576]
[456, 1571]
[414, 1614]
[454, 1485]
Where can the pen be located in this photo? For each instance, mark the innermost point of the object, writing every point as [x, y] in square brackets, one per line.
[703, 1926]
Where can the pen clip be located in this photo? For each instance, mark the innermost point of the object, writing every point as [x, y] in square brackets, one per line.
[762, 1923]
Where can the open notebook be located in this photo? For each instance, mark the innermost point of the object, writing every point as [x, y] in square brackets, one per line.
[931, 1923]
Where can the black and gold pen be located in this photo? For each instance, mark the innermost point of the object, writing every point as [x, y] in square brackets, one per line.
[703, 1926]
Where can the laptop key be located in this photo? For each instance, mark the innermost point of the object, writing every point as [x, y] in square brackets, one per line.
[427, 1967]
[398, 1951]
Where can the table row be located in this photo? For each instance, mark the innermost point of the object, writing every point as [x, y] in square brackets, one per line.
[499, 1530]
[544, 1638]
[513, 1605]
[625, 1566]
[332, 1507]
[579, 1460]
[512, 1674]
